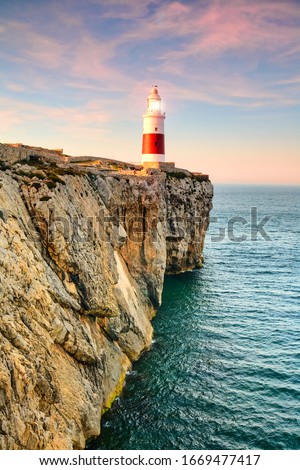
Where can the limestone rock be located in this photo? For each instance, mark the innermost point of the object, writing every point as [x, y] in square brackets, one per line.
[82, 262]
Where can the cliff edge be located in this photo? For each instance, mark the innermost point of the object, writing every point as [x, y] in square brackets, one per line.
[83, 254]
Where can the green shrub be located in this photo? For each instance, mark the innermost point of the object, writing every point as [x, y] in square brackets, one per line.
[40, 176]
[51, 184]
[21, 173]
[3, 166]
[55, 178]
[36, 185]
[177, 174]
[201, 178]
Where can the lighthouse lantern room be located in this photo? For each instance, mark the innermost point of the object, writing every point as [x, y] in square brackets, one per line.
[153, 149]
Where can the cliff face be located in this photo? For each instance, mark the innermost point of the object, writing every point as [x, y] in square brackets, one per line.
[83, 255]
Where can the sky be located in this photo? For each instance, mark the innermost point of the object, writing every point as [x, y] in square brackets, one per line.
[75, 75]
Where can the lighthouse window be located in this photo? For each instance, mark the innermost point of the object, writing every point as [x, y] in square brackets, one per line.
[156, 144]
[156, 128]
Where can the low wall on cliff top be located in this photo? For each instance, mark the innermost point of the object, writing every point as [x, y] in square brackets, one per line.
[83, 255]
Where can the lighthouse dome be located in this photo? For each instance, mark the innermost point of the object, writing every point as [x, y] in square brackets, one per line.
[154, 93]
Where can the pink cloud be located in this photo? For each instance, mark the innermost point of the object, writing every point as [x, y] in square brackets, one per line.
[239, 27]
[14, 112]
[81, 56]
[15, 87]
[124, 9]
[30, 46]
[289, 81]
[9, 119]
[220, 27]
[89, 59]
[204, 34]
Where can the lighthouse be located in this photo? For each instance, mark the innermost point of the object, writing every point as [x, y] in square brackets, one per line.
[153, 149]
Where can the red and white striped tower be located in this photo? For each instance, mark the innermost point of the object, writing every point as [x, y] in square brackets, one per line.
[153, 129]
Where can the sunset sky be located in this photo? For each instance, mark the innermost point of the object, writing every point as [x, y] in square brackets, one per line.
[75, 74]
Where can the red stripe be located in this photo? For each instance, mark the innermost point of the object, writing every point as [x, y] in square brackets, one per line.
[153, 143]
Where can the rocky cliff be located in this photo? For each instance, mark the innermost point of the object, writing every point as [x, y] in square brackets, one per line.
[83, 253]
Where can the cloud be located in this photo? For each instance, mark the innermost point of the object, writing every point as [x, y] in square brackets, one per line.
[16, 87]
[230, 50]
[237, 53]
[15, 112]
[289, 81]
[124, 9]
[239, 27]
[21, 43]
[90, 59]
[9, 119]
[79, 56]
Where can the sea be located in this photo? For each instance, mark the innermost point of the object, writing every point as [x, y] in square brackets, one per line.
[224, 368]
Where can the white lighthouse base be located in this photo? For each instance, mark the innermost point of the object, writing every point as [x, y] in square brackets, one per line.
[152, 157]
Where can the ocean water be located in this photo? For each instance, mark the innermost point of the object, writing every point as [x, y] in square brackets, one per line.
[224, 369]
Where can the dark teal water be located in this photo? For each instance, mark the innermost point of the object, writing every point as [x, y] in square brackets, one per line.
[224, 369]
